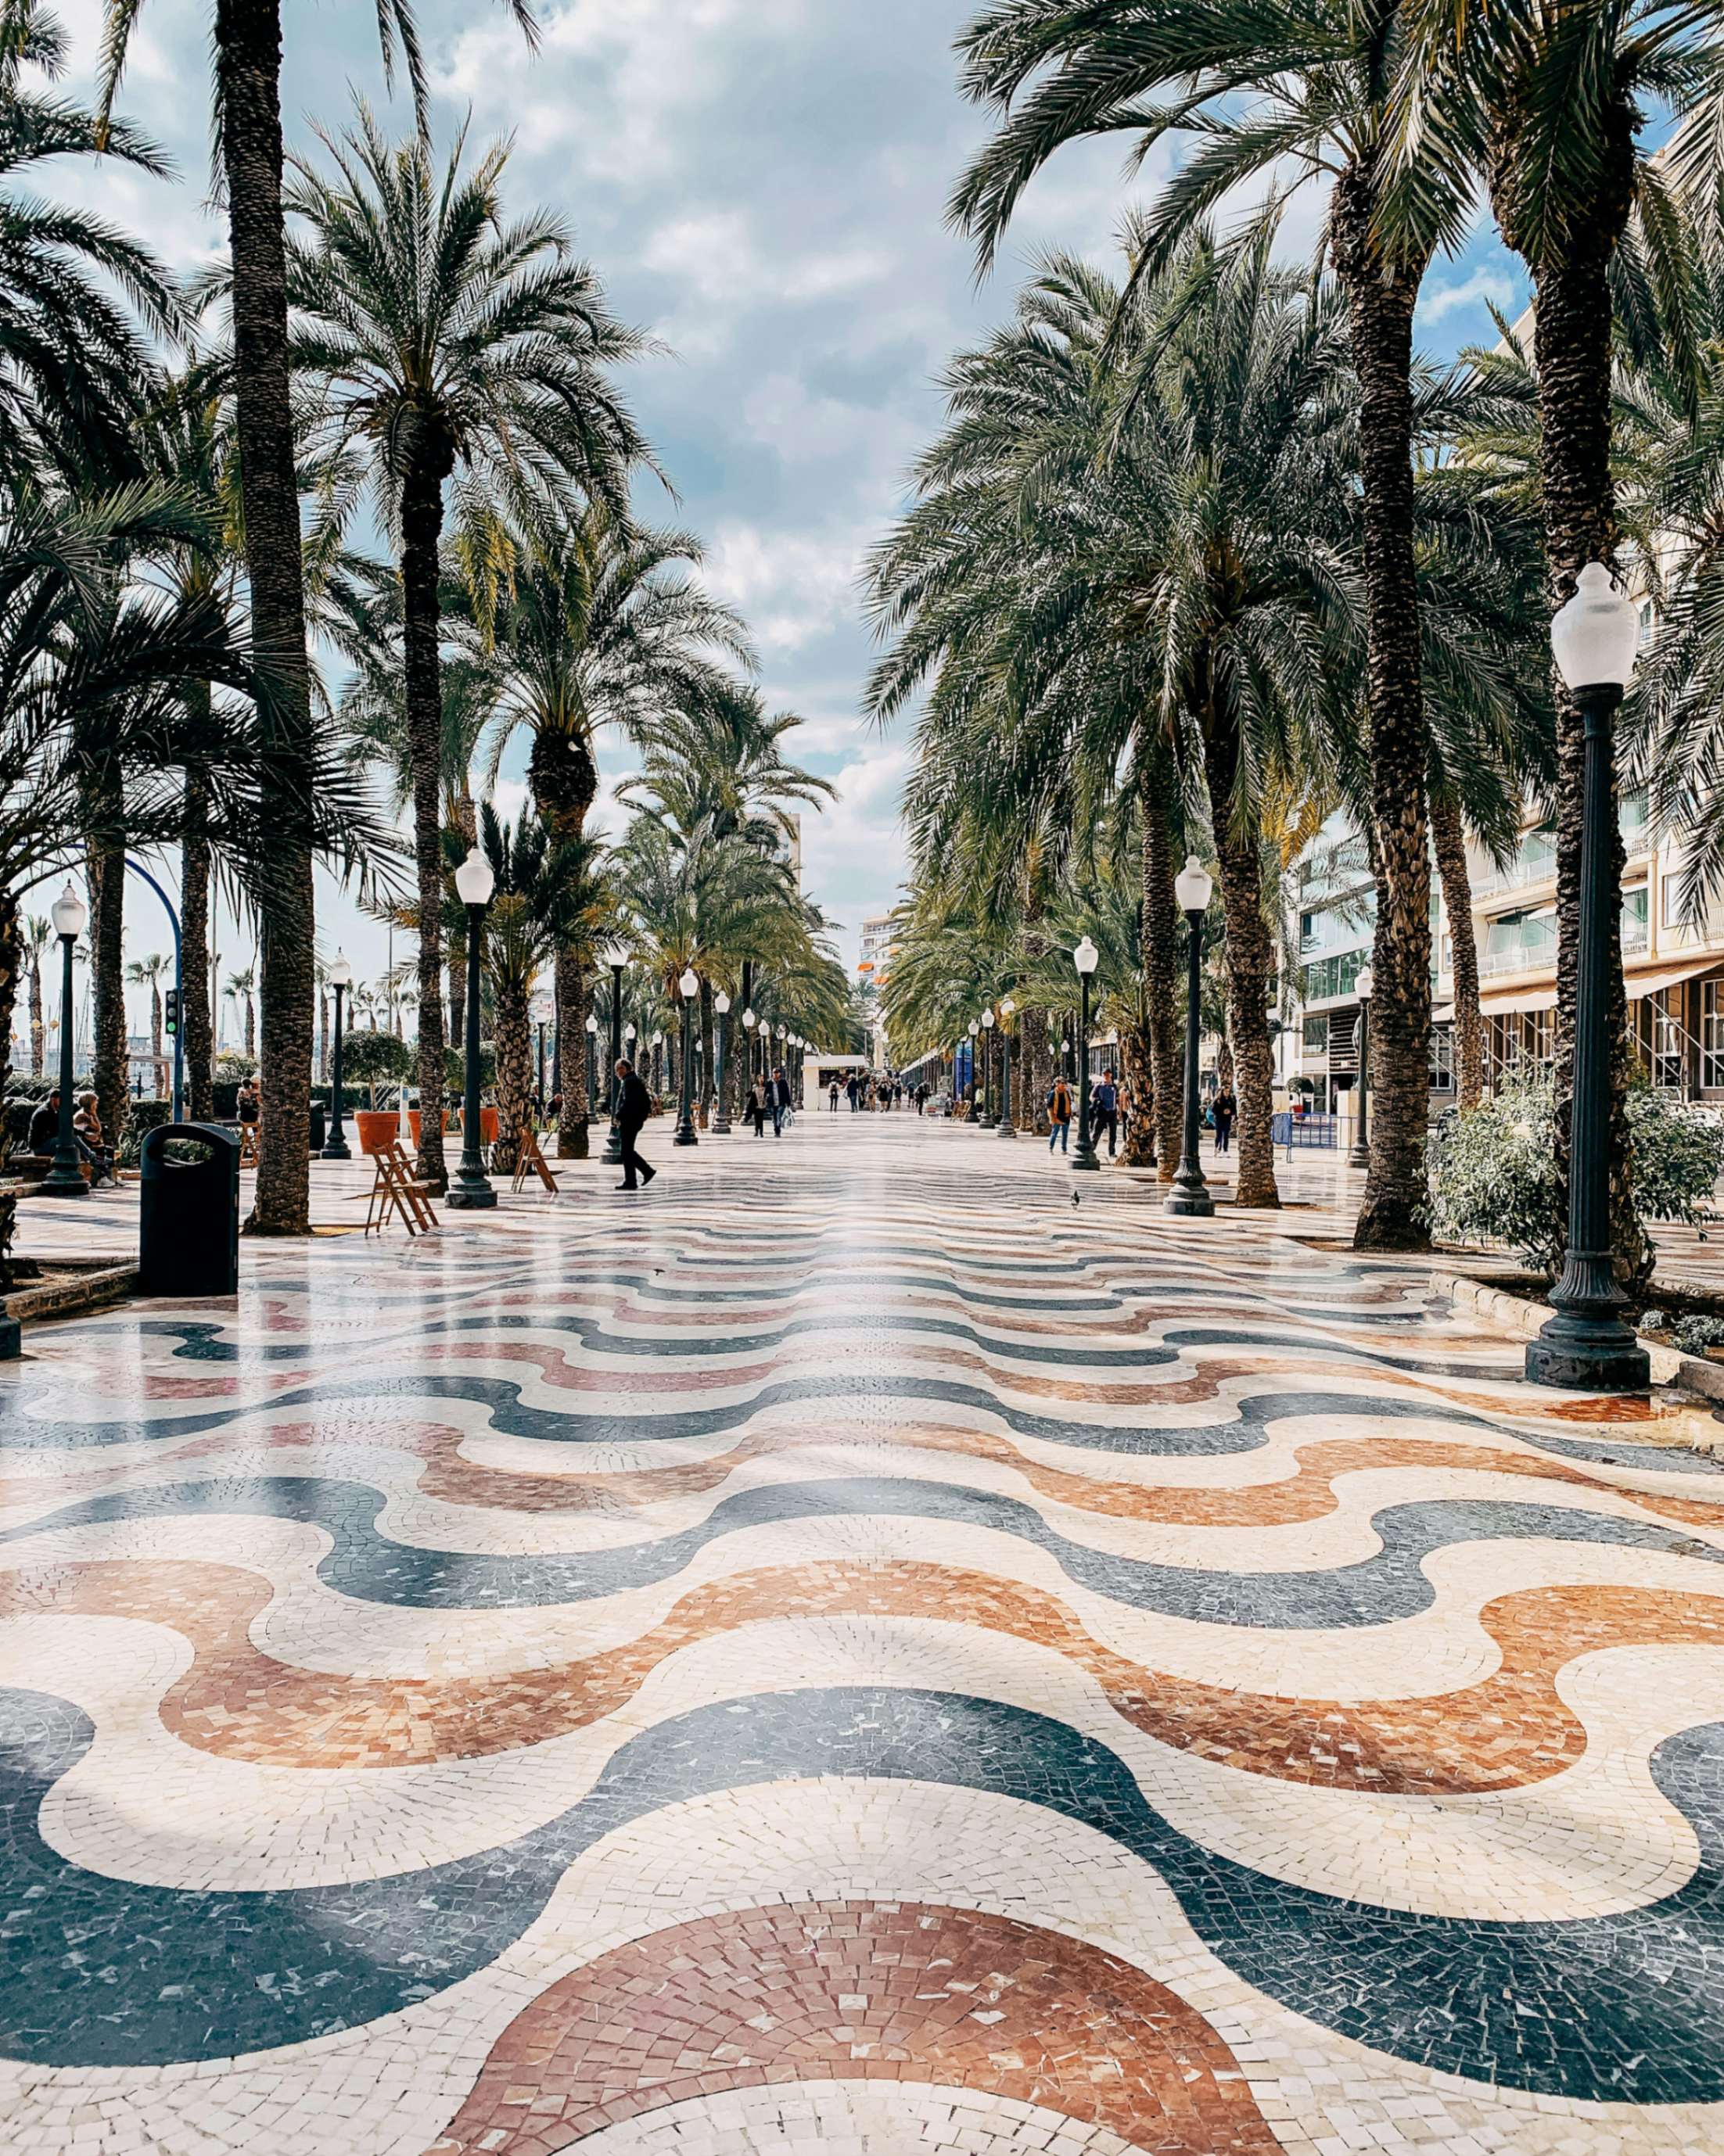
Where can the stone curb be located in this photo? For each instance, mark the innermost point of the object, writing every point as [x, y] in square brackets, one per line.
[100, 1285]
[1511, 1314]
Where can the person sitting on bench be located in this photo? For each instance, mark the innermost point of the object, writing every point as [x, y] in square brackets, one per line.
[44, 1128]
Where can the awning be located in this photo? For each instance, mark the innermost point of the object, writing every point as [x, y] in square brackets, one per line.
[1442, 1014]
[1641, 985]
[1498, 1002]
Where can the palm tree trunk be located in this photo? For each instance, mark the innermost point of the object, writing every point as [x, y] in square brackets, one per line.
[248, 41]
[11, 966]
[107, 974]
[37, 1031]
[421, 529]
[1394, 1214]
[1160, 949]
[1250, 969]
[1139, 1150]
[1037, 1073]
[1449, 835]
[514, 1078]
[563, 780]
[197, 1032]
[155, 1040]
[571, 989]
[706, 1051]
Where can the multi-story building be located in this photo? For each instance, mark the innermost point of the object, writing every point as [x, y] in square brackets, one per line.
[1673, 967]
[877, 933]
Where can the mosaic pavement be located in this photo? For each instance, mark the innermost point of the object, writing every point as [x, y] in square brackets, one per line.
[850, 1651]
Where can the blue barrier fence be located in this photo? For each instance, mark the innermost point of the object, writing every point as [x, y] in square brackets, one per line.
[1290, 1130]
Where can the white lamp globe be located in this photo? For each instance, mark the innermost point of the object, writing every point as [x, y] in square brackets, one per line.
[690, 982]
[615, 955]
[974, 1028]
[591, 1022]
[987, 1016]
[1596, 635]
[70, 913]
[720, 1002]
[543, 1010]
[1193, 886]
[341, 971]
[629, 1030]
[474, 882]
[1365, 984]
[750, 1018]
[1085, 957]
[1007, 1006]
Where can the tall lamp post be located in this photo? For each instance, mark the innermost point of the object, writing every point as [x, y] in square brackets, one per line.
[721, 1116]
[658, 1045]
[1084, 958]
[1192, 887]
[65, 1179]
[974, 1089]
[1359, 1156]
[591, 1064]
[341, 979]
[689, 986]
[1586, 1347]
[990, 1114]
[1006, 1128]
[542, 1019]
[471, 1191]
[749, 1022]
[615, 958]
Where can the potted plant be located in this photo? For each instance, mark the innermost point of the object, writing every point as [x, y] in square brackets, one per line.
[374, 1059]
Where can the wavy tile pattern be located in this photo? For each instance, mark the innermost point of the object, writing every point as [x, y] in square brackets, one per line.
[482, 1570]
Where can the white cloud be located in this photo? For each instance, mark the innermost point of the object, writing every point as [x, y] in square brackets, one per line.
[1486, 285]
[792, 586]
[853, 853]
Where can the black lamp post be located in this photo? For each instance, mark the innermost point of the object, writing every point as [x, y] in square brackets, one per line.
[990, 1096]
[1190, 1195]
[1587, 1346]
[973, 1081]
[689, 986]
[1006, 1128]
[592, 1033]
[1084, 958]
[341, 979]
[542, 1019]
[471, 1191]
[615, 958]
[721, 1111]
[1360, 1155]
[65, 1179]
[1065, 1058]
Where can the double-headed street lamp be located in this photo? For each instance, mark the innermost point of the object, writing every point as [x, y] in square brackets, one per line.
[1084, 958]
[689, 986]
[66, 1177]
[471, 1191]
[721, 1118]
[1359, 1156]
[615, 957]
[1190, 1196]
[341, 979]
[1586, 1347]
[1006, 1128]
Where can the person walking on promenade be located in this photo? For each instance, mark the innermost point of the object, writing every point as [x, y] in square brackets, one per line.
[832, 1095]
[922, 1098]
[1224, 1107]
[853, 1092]
[1058, 1104]
[634, 1105]
[757, 1106]
[1104, 1107]
[778, 1096]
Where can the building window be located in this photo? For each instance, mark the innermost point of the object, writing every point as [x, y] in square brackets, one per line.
[1711, 1036]
[1669, 904]
[1333, 977]
[1520, 941]
[1633, 918]
[1316, 1036]
[1667, 1040]
[1442, 1058]
[1632, 815]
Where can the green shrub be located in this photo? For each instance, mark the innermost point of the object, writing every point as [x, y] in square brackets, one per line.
[1694, 1334]
[141, 1116]
[372, 1060]
[233, 1066]
[455, 1071]
[1494, 1169]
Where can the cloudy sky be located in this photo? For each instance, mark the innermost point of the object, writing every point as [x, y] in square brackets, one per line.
[761, 182]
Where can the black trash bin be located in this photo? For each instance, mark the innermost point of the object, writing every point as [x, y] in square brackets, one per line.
[319, 1134]
[188, 1215]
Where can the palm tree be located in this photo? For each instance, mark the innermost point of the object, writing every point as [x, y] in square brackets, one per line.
[37, 937]
[1302, 91]
[1544, 103]
[248, 106]
[602, 630]
[240, 986]
[71, 357]
[442, 338]
[147, 973]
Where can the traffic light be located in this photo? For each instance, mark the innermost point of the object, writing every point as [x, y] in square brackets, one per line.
[170, 1012]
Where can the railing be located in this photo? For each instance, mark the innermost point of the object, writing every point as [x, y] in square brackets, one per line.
[1289, 1130]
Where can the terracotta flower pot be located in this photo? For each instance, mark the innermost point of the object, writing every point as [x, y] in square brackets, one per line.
[413, 1122]
[487, 1126]
[377, 1128]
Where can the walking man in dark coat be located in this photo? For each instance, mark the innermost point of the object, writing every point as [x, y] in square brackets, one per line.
[634, 1105]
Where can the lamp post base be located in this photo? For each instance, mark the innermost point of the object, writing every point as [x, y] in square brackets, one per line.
[1579, 1354]
[1005, 1129]
[1086, 1161]
[719, 1127]
[685, 1138]
[613, 1153]
[64, 1183]
[1189, 1204]
[337, 1149]
[1359, 1154]
[469, 1192]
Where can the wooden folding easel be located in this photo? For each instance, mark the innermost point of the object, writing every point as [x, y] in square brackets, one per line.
[248, 1145]
[530, 1161]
